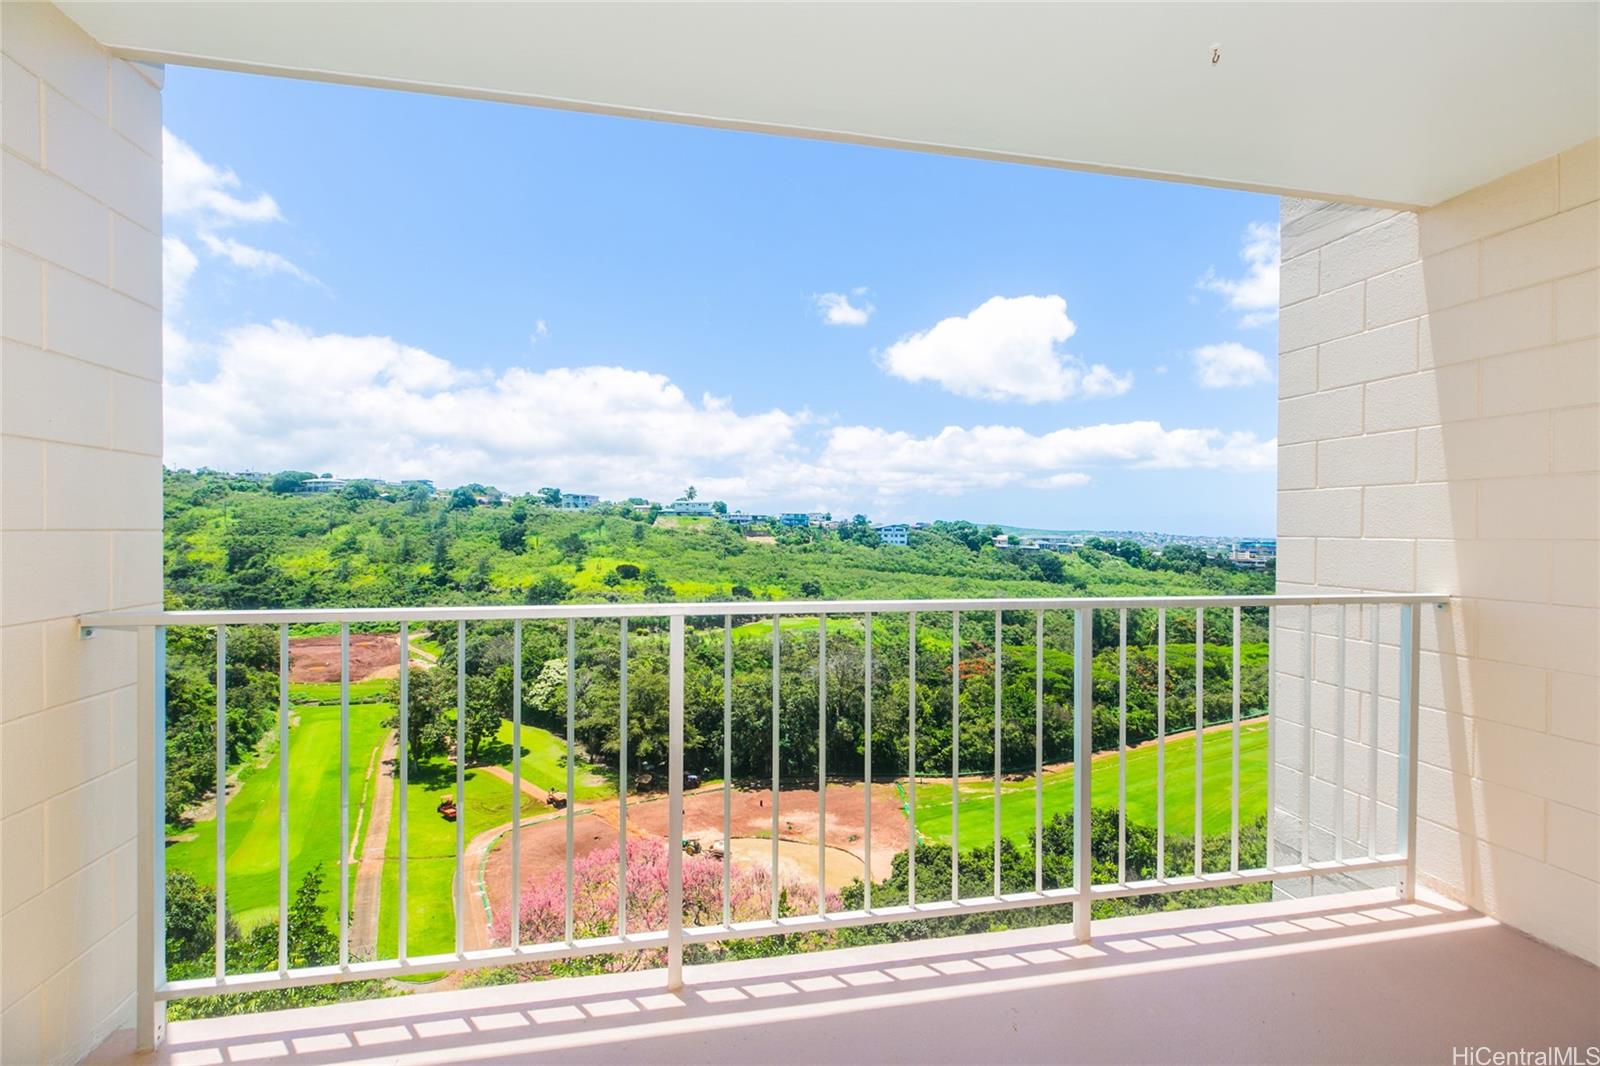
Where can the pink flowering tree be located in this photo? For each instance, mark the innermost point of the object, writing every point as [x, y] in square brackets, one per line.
[594, 908]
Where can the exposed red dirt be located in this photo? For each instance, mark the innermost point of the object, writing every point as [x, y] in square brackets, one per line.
[544, 843]
[317, 658]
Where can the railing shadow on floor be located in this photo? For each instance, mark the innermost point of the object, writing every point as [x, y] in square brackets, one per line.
[628, 1006]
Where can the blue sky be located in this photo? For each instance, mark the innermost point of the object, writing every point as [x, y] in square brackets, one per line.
[387, 284]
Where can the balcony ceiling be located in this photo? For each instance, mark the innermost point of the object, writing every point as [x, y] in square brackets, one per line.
[1404, 104]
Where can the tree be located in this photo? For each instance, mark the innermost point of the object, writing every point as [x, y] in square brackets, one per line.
[462, 499]
[627, 572]
[551, 496]
[719, 507]
[360, 490]
[811, 589]
[547, 589]
[690, 493]
[191, 918]
[289, 480]
[572, 547]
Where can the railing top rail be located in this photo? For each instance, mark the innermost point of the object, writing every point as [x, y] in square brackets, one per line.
[138, 619]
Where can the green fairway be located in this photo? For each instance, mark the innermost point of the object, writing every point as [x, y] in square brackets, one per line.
[431, 853]
[792, 624]
[328, 691]
[252, 822]
[1017, 797]
[544, 764]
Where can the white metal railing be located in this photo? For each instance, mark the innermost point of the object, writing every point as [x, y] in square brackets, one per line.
[155, 988]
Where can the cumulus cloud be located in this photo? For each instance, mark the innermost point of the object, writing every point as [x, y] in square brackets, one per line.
[1229, 365]
[1254, 293]
[280, 396]
[959, 459]
[1008, 348]
[837, 310]
[256, 260]
[195, 189]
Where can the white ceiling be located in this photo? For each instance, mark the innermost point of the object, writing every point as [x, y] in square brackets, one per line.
[1405, 104]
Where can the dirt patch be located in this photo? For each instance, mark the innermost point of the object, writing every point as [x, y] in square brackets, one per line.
[369, 870]
[544, 842]
[317, 658]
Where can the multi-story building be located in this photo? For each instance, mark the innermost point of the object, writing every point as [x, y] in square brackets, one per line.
[895, 533]
[577, 501]
[689, 508]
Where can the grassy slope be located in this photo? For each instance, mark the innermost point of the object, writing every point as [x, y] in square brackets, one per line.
[1017, 798]
[252, 813]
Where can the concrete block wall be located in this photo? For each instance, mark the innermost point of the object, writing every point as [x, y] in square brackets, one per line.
[80, 518]
[1439, 430]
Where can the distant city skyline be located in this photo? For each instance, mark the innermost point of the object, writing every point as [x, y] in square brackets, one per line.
[408, 286]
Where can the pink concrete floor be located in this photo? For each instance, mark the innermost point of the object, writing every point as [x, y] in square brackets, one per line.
[1339, 979]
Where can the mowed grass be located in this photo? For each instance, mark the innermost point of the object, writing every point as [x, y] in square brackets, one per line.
[1017, 797]
[544, 764]
[431, 843]
[370, 691]
[431, 853]
[792, 624]
[252, 812]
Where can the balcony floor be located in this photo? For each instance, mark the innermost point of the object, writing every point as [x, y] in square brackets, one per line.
[1350, 978]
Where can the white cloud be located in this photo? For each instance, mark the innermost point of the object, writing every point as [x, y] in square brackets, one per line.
[279, 396]
[1255, 293]
[178, 263]
[1005, 349]
[1229, 365]
[959, 459]
[256, 260]
[837, 310]
[194, 189]
[540, 332]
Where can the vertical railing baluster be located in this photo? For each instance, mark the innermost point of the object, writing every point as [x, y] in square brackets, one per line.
[674, 806]
[1038, 751]
[866, 772]
[150, 954]
[1161, 743]
[1406, 795]
[1372, 739]
[998, 637]
[622, 780]
[461, 785]
[221, 947]
[727, 769]
[1305, 743]
[1272, 688]
[777, 765]
[955, 756]
[283, 799]
[344, 794]
[1233, 849]
[1122, 746]
[1199, 738]
[405, 778]
[568, 896]
[516, 783]
[1083, 756]
[1338, 735]
[911, 770]
[822, 764]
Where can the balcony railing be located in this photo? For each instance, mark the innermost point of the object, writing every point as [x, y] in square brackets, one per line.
[1375, 618]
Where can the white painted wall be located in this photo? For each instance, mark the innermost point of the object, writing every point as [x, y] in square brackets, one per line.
[1439, 430]
[80, 518]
